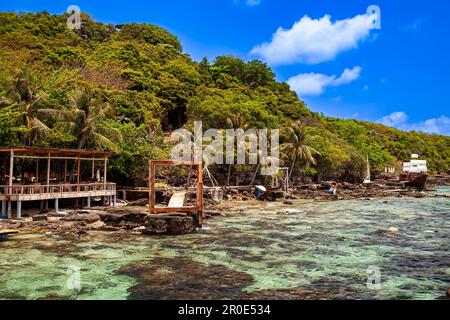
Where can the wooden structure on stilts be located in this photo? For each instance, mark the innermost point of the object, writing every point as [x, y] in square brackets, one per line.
[24, 178]
[198, 210]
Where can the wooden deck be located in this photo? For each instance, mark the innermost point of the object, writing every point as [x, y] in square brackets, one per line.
[59, 191]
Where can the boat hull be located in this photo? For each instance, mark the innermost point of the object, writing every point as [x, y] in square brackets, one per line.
[414, 180]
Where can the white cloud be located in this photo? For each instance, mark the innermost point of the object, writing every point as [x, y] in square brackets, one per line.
[394, 119]
[250, 3]
[314, 40]
[399, 120]
[308, 84]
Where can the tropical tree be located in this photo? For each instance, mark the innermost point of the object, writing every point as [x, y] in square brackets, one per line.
[235, 122]
[25, 91]
[85, 120]
[297, 146]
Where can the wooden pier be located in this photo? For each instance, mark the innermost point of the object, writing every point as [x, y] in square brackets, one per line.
[61, 177]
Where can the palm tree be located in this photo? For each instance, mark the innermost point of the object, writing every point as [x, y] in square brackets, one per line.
[84, 119]
[30, 90]
[25, 90]
[296, 147]
[235, 122]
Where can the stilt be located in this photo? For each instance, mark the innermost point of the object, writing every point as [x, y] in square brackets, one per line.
[114, 201]
[3, 208]
[88, 201]
[9, 209]
[56, 205]
[41, 205]
[46, 204]
[19, 209]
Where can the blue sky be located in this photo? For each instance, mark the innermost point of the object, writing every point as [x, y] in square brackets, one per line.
[398, 75]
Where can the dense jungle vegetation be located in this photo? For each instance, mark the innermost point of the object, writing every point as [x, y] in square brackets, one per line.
[124, 88]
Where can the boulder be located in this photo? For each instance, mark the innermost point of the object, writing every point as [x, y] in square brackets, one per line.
[169, 225]
[96, 225]
[392, 230]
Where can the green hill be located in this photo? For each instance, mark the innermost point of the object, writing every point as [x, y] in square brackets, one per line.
[121, 87]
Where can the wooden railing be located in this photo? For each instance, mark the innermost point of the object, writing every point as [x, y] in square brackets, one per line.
[56, 188]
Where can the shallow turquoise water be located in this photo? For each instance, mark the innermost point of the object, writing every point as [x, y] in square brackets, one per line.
[322, 247]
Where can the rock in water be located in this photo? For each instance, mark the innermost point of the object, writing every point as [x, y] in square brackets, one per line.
[96, 225]
[169, 225]
[393, 230]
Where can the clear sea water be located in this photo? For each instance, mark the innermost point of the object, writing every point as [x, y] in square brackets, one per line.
[323, 248]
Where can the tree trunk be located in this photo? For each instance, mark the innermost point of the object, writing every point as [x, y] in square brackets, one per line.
[291, 171]
[255, 174]
[229, 174]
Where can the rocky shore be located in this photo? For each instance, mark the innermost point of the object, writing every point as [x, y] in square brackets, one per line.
[133, 218]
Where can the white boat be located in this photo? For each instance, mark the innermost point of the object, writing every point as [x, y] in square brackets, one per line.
[415, 172]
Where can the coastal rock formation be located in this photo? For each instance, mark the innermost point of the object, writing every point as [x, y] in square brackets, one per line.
[185, 279]
[182, 278]
[169, 225]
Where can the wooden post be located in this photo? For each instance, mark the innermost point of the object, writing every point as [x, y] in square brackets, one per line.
[65, 170]
[78, 171]
[3, 208]
[93, 169]
[105, 168]
[19, 209]
[48, 172]
[56, 205]
[11, 170]
[37, 171]
[4, 168]
[200, 193]
[151, 186]
[10, 182]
